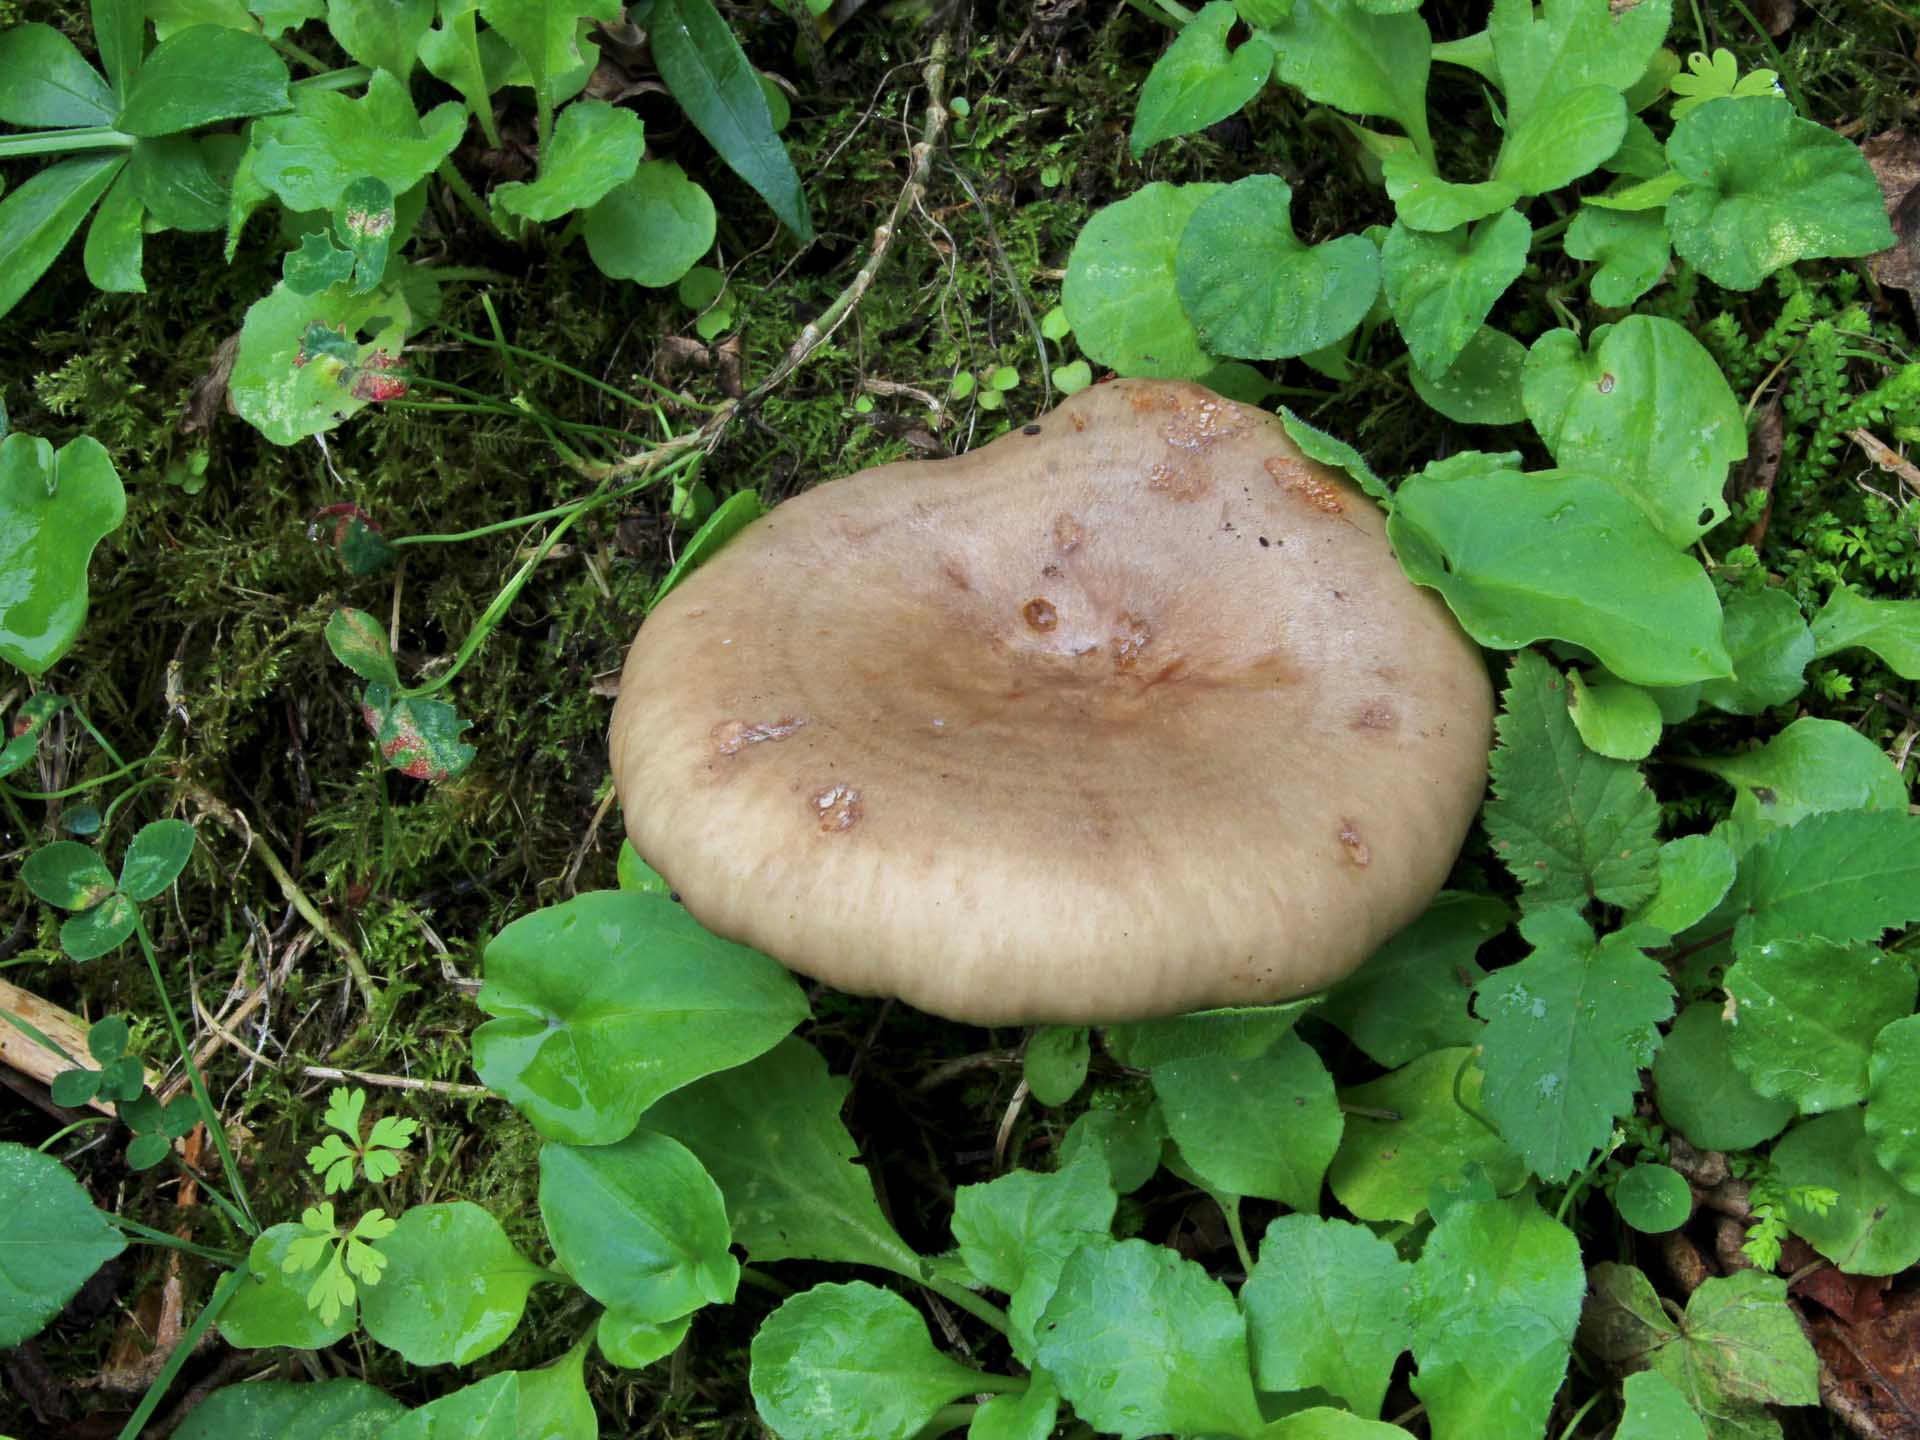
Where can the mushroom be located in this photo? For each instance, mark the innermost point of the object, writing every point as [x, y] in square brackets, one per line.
[1127, 713]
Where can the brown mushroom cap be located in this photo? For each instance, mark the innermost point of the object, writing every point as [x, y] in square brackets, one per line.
[1127, 713]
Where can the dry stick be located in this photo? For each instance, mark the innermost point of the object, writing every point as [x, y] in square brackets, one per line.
[236, 823]
[329, 1072]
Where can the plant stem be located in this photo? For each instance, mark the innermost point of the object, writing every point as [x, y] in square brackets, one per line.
[79, 789]
[1230, 1208]
[174, 1242]
[335, 79]
[63, 142]
[519, 352]
[183, 1350]
[85, 1122]
[469, 197]
[971, 1303]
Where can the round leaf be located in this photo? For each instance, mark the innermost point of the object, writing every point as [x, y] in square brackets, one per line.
[1804, 1014]
[270, 1307]
[301, 366]
[1631, 246]
[634, 1344]
[51, 1240]
[1874, 1227]
[55, 506]
[594, 148]
[1441, 286]
[1055, 1063]
[1482, 386]
[1253, 290]
[95, 932]
[840, 1360]
[613, 999]
[155, 858]
[1653, 1199]
[654, 228]
[453, 1288]
[68, 874]
[1120, 292]
[640, 1225]
[1695, 873]
[1702, 1093]
[1206, 1101]
[1621, 722]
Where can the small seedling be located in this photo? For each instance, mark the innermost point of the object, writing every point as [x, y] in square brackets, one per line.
[334, 1158]
[347, 1253]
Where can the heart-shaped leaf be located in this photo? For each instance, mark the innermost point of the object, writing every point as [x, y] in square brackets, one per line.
[1121, 293]
[1442, 286]
[68, 874]
[55, 506]
[155, 858]
[1198, 81]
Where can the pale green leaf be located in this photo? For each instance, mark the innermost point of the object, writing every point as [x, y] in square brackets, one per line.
[454, 1289]
[1888, 628]
[594, 148]
[1121, 292]
[1198, 81]
[1329, 1305]
[1207, 1098]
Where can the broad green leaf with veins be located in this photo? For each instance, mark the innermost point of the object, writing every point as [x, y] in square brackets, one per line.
[1646, 408]
[1702, 1094]
[653, 228]
[1411, 995]
[1630, 246]
[1568, 1031]
[1197, 81]
[1845, 875]
[546, 36]
[1874, 1226]
[455, 1285]
[1497, 1296]
[1889, 629]
[1482, 386]
[1770, 646]
[1571, 825]
[1621, 722]
[485, 1410]
[1568, 45]
[1893, 1101]
[1695, 873]
[1206, 1100]
[595, 147]
[52, 1239]
[1441, 287]
[1340, 53]
[1567, 135]
[309, 158]
[1120, 292]
[46, 84]
[1811, 767]
[381, 34]
[329, 1410]
[302, 367]
[1803, 1016]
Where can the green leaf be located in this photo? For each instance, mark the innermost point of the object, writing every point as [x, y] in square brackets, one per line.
[1497, 1296]
[1568, 45]
[359, 642]
[1653, 1199]
[1559, 554]
[1237, 1032]
[1197, 82]
[1621, 722]
[1329, 1305]
[595, 148]
[612, 999]
[1893, 1100]
[309, 158]
[1339, 53]
[1656, 1410]
[633, 873]
[454, 1286]
[639, 1225]
[706, 71]
[1803, 1016]
[770, 1133]
[1848, 875]
[1441, 286]
[98, 931]
[1017, 1231]
[184, 181]
[1030, 1415]
[420, 738]
[366, 219]
[653, 229]
[39, 217]
[301, 367]
[116, 240]
[1768, 188]
[107, 1038]
[1874, 1227]
[155, 857]
[23, 734]
[281, 1410]
[1811, 767]
[1703, 1094]
[1129, 1140]
[51, 1238]
[1206, 1100]
[1424, 201]
[45, 84]
[1568, 134]
[1569, 1029]
[1646, 408]
[171, 92]
[68, 874]
[1330, 450]
[1411, 996]
[545, 34]
[852, 1359]
[635, 1344]
[55, 506]
[554, 1404]
[1121, 290]
[1252, 289]
[381, 34]
[270, 1307]
[1482, 386]
[1321, 1422]
[1770, 645]
[1630, 246]
[472, 61]
[1141, 1342]
[120, 33]
[485, 1410]
[1055, 1062]
[1888, 628]
[1571, 825]
[729, 518]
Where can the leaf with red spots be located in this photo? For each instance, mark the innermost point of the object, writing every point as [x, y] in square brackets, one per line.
[420, 738]
[359, 644]
[23, 732]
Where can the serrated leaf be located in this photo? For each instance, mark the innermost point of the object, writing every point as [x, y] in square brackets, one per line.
[55, 507]
[614, 998]
[653, 229]
[1645, 408]
[1888, 628]
[1253, 290]
[1329, 1305]
[1568, 1031]
[1441, 286]
[1387, 1169]
[1803, 1016]
[1121, 290]
[1141, 1342]
[1630, 247]
[1205, 1100]
[851, 1359]
[1411, 996]
[419, 737]
[1342, 54]
[52, 1239]
[1847, 875]
[594, 148]
[1198, 81]
[171, 93]
[769, 1132]
[1571, 825]
[1569, 44]
[639, 1225]
[545, 35]
[1559, 554]
[1498, 1289]
[454, 1289]
[1873, 1228]
[1703, 1094]
[706, 71]
[1767, 188]
[360, 643]
[310, 157]
[155, 857]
